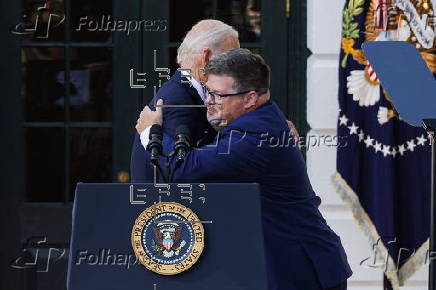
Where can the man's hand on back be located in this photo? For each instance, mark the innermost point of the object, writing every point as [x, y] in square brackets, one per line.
[148, 117]
[293, 130]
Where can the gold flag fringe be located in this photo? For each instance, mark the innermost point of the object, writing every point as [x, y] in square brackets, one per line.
[417, 260]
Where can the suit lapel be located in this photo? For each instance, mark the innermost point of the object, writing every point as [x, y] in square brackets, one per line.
[195, 96]
[178, 78]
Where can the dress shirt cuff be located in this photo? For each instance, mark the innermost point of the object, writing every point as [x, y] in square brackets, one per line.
[145, 137]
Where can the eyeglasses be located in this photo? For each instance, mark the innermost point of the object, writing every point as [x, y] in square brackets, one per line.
[218, 98]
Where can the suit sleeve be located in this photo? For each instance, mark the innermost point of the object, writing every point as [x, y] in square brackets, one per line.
[173, 117]
[140, 170]
[176, 116]
[234, 158]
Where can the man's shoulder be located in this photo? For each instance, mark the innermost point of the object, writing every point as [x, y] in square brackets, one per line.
[173, 85]
[267, 118]
[175, 92]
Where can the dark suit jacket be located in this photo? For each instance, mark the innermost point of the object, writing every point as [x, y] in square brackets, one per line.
[173, 92]
[301, 250]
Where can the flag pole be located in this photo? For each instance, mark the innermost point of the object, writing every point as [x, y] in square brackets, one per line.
[430, 127]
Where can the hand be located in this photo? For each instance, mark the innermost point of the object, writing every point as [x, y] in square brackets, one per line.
[293, 130]
[148, 117]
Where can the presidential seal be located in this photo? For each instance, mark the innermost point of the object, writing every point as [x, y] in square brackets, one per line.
[167, 238]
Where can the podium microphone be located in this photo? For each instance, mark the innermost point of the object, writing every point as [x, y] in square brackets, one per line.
[182, 145]
[155, 143]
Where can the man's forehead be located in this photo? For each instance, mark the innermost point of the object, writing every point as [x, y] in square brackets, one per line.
[216, 82]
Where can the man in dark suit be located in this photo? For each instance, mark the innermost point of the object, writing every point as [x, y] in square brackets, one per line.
[185, 100]
[205, 40]
[301, 250]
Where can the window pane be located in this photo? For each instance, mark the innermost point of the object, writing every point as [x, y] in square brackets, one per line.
[42, 20]
[91, 156]
[43, 84]
[91, 84]
[173, 59]
[183, 15]
[45, 164]
[244, 16]
[91, 21]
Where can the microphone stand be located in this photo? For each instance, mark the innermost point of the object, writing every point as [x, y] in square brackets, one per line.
[156, 149]
[181, 148]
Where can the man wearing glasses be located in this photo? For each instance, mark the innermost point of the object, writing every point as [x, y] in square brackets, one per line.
[302, 252]
[183, 92]
[204, 41]
[219, 115]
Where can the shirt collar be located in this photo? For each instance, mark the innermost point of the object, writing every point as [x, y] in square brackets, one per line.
[196, 84]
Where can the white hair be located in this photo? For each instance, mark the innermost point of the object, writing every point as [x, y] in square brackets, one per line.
[213, 36]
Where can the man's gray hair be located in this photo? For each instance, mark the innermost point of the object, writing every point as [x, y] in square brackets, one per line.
[248, 70]
[212, 36]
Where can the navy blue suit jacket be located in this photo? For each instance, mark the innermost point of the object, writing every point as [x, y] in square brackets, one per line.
[173, 92]
[301, 250]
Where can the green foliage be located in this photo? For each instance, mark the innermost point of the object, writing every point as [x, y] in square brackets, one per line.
[350, 29]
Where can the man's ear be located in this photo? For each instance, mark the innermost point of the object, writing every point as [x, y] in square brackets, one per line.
[202, 62]
[206, 54]
[251, 100]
